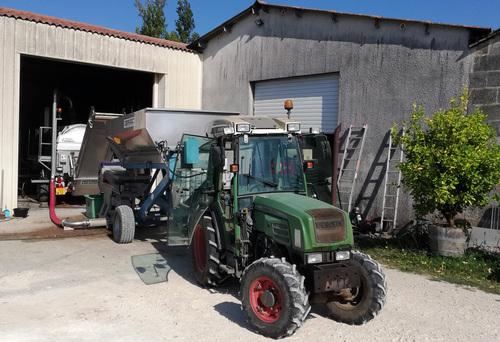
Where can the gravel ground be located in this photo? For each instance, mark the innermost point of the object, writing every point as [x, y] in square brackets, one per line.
[85, 289]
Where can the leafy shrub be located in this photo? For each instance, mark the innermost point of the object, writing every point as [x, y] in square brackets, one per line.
[452, 160]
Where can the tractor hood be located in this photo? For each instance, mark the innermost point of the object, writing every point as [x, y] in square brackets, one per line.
[302, 222]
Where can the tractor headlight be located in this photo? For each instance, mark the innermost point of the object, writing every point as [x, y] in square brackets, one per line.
[293, 127]
[228, 130]
[242, 128]
[343, 255]
[314, 258]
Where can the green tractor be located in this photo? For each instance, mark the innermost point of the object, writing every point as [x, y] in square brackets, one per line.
[241, 199]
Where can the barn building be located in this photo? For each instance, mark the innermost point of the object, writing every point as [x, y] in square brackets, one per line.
[91, 66]
[339, 68]
[342, 69]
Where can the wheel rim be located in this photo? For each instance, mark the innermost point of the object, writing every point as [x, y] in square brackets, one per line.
[200, 249]
[266, 299]
[351, 298]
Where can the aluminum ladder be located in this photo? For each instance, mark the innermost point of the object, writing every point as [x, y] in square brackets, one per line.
[392, 184]
[44, 159]
[349, 166]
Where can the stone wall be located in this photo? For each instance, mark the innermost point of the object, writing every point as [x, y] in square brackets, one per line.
[484, 84]
[485, 79]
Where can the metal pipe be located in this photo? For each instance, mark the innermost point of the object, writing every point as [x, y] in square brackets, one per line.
[54, 136]
[52, 197]
[89, 223]
[335, 162]
[52, 189]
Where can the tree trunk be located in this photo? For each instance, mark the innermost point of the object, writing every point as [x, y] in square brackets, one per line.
[450, 219]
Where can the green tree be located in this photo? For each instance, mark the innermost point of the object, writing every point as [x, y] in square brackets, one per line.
[184, 24]
[452, 160]
[153, 18]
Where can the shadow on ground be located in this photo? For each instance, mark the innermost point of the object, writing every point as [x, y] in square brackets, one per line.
[179, 258]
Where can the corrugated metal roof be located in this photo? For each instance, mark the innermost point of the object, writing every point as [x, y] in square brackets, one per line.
[44, 19]
[476, 32]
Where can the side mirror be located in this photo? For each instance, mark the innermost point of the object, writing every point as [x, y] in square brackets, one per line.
[324, 147]
[217, 157]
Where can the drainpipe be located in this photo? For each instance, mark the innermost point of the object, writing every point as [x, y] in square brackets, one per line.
[335, 162]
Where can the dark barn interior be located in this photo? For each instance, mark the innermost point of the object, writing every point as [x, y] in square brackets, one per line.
[80, 87]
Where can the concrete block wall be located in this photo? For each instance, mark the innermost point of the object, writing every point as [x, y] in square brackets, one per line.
[485, 80]
[484, 84]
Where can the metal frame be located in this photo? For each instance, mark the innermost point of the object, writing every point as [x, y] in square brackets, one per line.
[356, 158]
[391, 151]
[42, 159]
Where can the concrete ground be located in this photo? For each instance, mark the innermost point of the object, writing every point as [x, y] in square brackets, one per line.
[85, 289]
[39, 226]
[38, 219]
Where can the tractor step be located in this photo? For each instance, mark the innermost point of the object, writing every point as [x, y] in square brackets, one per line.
[227, 269]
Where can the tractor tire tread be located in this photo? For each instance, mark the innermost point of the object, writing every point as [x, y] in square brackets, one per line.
[123, 232]
[378, 284]
[212, 276]
[300, 307]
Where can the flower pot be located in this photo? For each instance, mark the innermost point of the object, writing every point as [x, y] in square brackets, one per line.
[447, 241]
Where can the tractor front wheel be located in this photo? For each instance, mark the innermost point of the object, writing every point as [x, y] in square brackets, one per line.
[274, 297]
[361, 304]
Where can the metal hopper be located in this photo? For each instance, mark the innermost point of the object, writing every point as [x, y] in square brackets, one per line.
[136, 137]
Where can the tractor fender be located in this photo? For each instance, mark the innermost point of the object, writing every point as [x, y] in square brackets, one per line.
[194, 220]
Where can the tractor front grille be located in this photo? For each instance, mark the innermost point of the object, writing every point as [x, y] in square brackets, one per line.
[329, 225]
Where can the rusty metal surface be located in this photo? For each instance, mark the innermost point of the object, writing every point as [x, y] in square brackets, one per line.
[335, 277]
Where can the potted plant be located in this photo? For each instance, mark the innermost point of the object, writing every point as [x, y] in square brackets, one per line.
[452, 162]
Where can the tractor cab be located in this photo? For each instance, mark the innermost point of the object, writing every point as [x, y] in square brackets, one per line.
[243, 157]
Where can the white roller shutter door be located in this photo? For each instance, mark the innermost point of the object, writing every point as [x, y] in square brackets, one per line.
[315, 99]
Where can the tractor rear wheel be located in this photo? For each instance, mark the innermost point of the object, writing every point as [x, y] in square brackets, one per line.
[274, 297]
[205, 251]
[360, 305]
[123, 224]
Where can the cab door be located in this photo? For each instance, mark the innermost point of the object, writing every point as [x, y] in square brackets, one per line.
[316, 148]
[192, 181]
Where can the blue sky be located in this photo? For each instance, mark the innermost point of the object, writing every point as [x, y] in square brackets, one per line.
[122, 15]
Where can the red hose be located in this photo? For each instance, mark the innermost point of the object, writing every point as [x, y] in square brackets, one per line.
[52, 204]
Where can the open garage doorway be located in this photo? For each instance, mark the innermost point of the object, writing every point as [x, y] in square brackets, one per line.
[80, 88]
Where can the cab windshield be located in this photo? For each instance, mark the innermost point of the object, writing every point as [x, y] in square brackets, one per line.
[269, 164]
